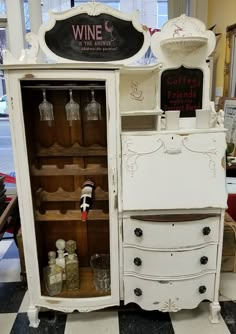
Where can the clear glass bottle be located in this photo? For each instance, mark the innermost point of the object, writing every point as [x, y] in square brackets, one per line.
[60, 260]
[72, 266]
[53, 275]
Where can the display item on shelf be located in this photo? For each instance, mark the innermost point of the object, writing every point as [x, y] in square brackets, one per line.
[53, 275]
[100, 264]
[60, 260]
[72, 266]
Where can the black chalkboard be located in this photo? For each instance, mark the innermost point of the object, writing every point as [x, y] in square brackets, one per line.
[181, 89]
[94, 38]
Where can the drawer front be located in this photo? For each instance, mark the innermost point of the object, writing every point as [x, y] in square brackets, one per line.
[170, 234]
[159, 171]
[168, 296]
[156, 263]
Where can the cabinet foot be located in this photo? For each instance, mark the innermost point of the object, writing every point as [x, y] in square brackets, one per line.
[214, 313]
[33, 312]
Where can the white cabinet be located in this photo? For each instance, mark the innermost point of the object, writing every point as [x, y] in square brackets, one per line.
[52, 161]
[160, 195]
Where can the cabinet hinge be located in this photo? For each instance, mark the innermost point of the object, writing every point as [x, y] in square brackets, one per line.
[12, 103]
[116, 202]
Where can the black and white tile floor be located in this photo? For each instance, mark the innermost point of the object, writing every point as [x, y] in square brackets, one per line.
[14, 302]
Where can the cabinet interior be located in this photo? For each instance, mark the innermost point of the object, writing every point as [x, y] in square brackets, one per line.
[61, 157]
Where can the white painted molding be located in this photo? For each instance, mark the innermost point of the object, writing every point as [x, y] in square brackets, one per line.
[184, 41]
[93, 9]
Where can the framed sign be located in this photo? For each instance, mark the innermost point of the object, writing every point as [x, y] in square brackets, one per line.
[181, 89]
[94, 33]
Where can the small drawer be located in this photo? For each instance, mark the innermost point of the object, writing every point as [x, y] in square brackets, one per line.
[156, 263]
[168, 296]
[170, 234]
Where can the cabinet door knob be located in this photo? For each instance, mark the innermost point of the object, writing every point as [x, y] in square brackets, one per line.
[138, 292]
[204, 260]
[138, 232]
[206, 230]
[202, 289]
[137, 261]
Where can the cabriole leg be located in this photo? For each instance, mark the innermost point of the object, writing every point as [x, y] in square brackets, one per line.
[33, 312]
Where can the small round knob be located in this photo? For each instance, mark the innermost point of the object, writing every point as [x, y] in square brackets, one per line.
[206, 230]
[137, 261]
[204, 260]
[138, 232]
[202, 289]
[138, 292]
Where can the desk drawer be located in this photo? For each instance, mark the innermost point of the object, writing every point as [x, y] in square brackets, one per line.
[156, 263]
[171, 234]
[168, 296]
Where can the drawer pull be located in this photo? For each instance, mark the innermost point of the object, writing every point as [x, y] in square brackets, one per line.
[137, 261]
[204, 260]
[138, 232]
[206, 230]
[138, 292]
[202, 289]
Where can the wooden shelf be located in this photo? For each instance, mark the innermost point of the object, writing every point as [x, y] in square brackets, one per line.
[86, 290]
[65, 87]
[53, 170]
[61, 195]
[75, 150]
[128, 113]
[56, 215]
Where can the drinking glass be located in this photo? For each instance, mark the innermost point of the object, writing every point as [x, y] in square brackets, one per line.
[46, 110]
[93, 109]
[72, 109]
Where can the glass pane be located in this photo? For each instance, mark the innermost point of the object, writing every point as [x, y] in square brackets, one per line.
[162, 20]
[2, 7]
[54, 5]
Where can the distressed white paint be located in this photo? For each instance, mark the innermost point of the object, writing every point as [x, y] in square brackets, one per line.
[167, 171]
[24, 189]
[158, 172]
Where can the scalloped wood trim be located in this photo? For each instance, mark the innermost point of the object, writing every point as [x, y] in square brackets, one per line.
[61, 195]
[75, 150]
[53, 170]
[56, 215]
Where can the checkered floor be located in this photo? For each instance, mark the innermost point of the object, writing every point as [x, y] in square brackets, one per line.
[14, 301]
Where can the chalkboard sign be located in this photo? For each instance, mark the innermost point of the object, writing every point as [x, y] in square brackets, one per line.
[94, 38]
[181, 89]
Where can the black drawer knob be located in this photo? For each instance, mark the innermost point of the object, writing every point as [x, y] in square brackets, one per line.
[137, 261]
[206, 230]
[138, 232]
[202, 289]
[138, 292]
[204, 260]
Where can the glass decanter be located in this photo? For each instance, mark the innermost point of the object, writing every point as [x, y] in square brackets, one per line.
[93, 109]
[46, 110]
[60, 260]
[53, 275]
[72, 266]
[72, 109]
